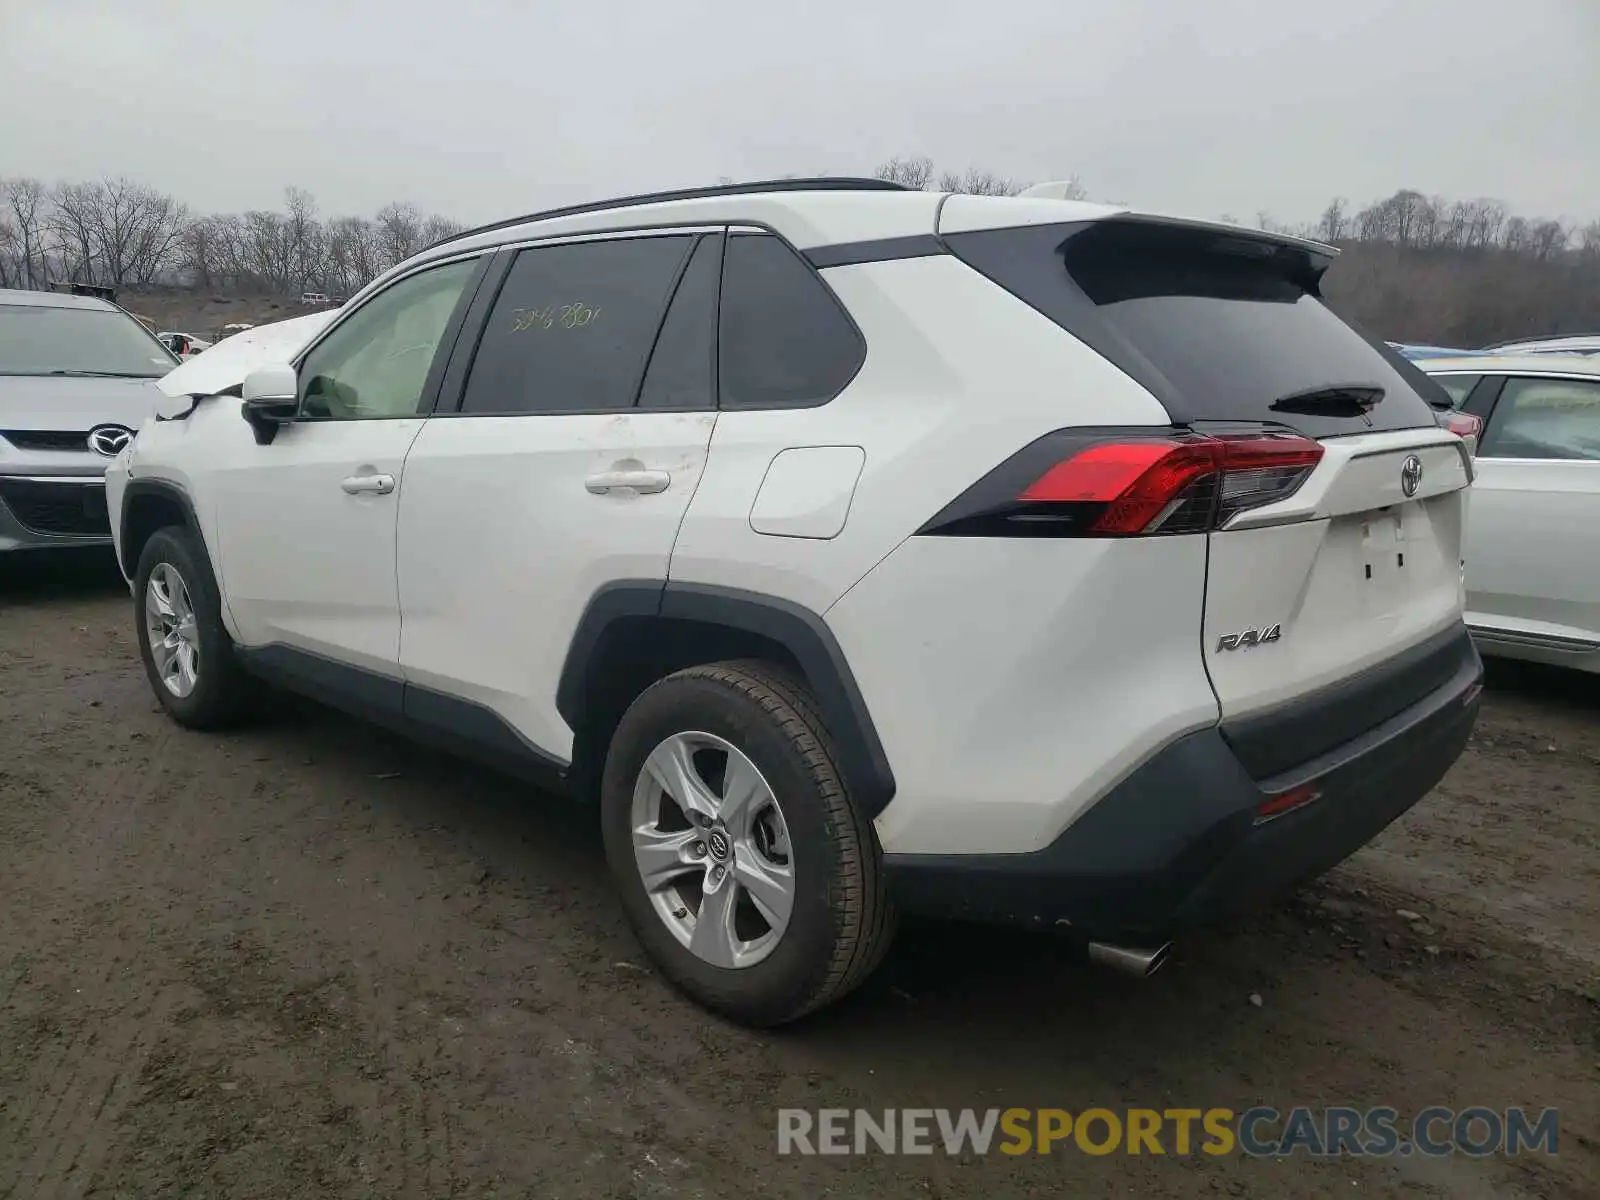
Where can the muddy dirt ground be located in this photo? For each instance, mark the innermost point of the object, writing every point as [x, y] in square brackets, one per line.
[308, 959]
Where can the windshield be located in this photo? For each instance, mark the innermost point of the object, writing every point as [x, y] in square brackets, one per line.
[40, 340]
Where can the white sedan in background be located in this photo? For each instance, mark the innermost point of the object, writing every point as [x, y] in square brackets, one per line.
[184, 345]
[1532, 544]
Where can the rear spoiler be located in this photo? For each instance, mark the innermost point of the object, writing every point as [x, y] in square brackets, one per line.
[1298, 259]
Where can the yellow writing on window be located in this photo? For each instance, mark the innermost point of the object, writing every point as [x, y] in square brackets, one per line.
[554, 316]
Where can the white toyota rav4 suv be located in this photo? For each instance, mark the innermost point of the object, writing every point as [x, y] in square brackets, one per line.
[856, 550]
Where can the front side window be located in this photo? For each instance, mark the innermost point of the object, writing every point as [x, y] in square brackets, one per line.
[41, 339]
[1544, 418]
[376, 364]
[573, 326]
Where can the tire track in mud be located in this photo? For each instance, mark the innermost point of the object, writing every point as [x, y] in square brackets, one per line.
[106, 998]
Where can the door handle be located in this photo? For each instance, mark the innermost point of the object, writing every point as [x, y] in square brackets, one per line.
[644, 482]
[379, 485]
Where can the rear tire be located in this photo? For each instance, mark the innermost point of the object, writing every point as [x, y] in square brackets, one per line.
[743, 729]
[188, 655]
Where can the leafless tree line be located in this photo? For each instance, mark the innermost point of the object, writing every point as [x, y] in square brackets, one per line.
[1415, 267]
[919, 172]
[1412, 267]
[1459, 272]
[124, 234]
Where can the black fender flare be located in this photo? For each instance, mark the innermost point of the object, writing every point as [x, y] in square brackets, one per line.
[172, 492]
[798, 630]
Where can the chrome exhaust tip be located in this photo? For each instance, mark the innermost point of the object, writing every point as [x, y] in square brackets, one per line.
[1131, 960]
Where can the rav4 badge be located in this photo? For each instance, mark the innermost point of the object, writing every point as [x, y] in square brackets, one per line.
[1248, 638]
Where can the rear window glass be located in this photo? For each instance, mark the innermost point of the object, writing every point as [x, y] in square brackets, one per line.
[785, 342]
[1218, 327]
[1459, 387]
[45, 340]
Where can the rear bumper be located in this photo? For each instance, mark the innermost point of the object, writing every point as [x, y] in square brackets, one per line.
[1177, 845]
[38, 512]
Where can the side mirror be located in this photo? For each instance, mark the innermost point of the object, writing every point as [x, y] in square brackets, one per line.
[271, 399]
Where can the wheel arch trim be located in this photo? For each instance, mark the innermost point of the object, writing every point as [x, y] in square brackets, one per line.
[166, 490]
[801, 632]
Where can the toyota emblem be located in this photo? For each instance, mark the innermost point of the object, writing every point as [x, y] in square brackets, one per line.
[1411, 475]
[110, 440]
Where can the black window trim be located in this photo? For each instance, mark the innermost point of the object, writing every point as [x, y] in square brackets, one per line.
[428, 401]
[1485, 394]
[454, 375]
[721, 236]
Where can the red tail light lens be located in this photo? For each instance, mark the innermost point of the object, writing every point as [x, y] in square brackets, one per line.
[1176, 485]
[1122, 482]
[1463, 425]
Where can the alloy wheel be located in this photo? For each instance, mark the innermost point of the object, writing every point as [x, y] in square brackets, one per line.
[174, 635]
[713, 850]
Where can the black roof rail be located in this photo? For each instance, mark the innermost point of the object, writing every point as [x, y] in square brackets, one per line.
[825, 183]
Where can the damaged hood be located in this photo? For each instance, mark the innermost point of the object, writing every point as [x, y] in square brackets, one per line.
[225, 364]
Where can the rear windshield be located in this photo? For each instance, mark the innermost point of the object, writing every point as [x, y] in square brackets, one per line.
[1218, 327]
[42, 340]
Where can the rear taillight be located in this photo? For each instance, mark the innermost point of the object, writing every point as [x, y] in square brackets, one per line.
[1463, 425]
[1130, 485]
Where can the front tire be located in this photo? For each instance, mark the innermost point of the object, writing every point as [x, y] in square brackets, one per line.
[188, 655]
[744, 867]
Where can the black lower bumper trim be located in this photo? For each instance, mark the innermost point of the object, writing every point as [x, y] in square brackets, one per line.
[1177, 844]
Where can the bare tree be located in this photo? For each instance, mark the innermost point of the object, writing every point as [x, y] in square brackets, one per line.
[399, 233]
[916, 173]
[304, 236]
[26, 204]
[116, 232]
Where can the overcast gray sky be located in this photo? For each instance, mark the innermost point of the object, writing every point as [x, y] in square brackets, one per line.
[477, 108]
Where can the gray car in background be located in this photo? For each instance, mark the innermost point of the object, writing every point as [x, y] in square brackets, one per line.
[77, 379]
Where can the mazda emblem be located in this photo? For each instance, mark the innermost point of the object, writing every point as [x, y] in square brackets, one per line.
[109, 440]
[1411, 475]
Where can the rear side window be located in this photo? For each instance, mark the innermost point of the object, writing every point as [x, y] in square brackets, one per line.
[573, 326]
[1219, 327]
[1458, 387]
[1544, 418]
[683, 366]
[785, 342]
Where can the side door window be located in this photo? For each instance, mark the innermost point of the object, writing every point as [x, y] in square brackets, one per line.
[375, 365]
[784, 341]
[574, 325]
[1544, 418]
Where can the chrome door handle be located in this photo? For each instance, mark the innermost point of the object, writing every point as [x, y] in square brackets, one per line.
[644, 482]
[379, 485]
